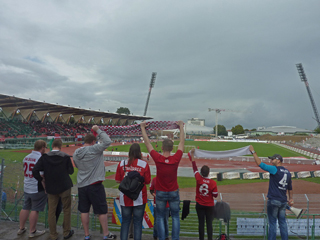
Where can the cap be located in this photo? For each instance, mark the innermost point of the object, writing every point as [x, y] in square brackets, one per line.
[276, 156]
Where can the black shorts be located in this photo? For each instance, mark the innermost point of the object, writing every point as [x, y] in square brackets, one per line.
[94, 195]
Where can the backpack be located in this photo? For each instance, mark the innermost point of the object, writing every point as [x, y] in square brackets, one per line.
[223, 236]
[132, 183]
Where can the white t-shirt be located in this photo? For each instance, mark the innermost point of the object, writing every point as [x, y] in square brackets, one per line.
[30, 183]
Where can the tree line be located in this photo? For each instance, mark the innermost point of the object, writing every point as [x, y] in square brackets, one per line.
[238, 129]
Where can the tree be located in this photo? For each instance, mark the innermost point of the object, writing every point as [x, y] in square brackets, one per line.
[123, 110]
[237, 130]
[221, 130]
[317, 130]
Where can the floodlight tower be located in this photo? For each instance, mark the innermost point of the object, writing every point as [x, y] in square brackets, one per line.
[153, 79]
[304, 79]
[218, 111]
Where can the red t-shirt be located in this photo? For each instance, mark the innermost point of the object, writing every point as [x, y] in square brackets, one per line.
[206, 188]
[153, 187]
[143, 168]
[167, 170]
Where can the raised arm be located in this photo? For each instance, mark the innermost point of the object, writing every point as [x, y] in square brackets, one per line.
[191, 157]
[255, 156]
[104, 138]
[145, 136]
[181, 144]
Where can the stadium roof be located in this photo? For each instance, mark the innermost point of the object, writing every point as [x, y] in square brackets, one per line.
[284, 129]
[192, 128]
[26, 107]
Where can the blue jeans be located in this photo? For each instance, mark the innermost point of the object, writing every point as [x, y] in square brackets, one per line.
[174, 201]
[166, 224]
[277, 210]
[137, 212]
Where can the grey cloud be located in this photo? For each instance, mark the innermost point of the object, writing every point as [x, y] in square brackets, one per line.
[237, 55]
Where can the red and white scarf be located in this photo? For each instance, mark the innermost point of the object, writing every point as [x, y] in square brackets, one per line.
[154, 125]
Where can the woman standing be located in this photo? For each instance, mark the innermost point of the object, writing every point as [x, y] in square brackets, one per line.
[131, 207]
[205, 192]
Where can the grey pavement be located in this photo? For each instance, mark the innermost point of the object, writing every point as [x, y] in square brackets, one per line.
[8, 231]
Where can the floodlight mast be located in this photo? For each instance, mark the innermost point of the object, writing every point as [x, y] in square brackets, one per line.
[153, 79]
[218, 111]
[305, 80]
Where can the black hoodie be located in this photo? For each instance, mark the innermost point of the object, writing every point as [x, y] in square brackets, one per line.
[56, 166]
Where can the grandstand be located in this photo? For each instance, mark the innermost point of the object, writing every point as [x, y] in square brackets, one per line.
[22, 121]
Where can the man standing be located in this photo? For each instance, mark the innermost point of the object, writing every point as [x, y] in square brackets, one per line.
[57, 166]
[91, 173]
[166, 221]
[35, 197]
[167, 185]
[279, 184]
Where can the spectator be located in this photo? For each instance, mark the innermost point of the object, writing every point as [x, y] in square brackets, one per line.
[206, 190]
[279, 184]
[35, 197]
[3, 200]
[57, 167]
[167, 185]
[166, 221]
[91, 173]
[131, 207]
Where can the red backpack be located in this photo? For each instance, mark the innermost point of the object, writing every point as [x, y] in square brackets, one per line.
[223, 236]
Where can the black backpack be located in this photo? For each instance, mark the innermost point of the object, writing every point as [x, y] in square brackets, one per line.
[132, 184]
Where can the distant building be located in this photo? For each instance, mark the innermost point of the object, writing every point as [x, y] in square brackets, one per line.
[279, 130]
[197, 121]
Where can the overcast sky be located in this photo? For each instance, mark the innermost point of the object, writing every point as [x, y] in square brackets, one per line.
[238, 55]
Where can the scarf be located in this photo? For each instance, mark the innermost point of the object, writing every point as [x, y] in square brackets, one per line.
[222, 154]
[154, 125]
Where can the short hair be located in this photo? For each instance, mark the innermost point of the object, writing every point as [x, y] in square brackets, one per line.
[57, 143]
[167, 145]
[39, 144]
[89, 138]
[205, 171]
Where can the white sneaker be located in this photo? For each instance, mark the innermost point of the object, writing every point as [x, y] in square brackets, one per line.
[37, 233]
[22, 231]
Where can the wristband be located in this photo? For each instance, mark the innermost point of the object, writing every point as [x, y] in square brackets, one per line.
[253, 152]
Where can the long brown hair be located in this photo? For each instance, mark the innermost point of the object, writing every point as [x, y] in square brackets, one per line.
[134, 152]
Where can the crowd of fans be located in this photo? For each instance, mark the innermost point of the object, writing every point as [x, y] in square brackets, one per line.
[20, 129]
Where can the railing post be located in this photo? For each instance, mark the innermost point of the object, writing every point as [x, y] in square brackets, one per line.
[264, 203]
[313, 227]
[46, 224]
[1, 184]
[228, 228]
[92, 221]
[16, 207]
[78, 216]
[307, 215]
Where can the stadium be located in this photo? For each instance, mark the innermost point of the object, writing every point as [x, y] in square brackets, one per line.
[241, 183]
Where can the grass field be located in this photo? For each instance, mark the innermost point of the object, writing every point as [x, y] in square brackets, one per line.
[263, 149]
